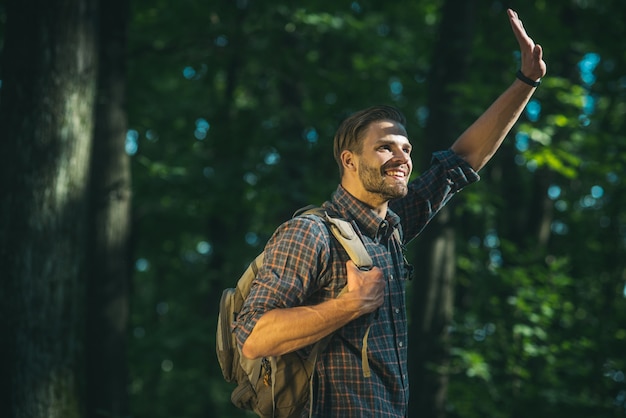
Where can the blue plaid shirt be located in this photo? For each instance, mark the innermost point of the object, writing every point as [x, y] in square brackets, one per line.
[305, 265]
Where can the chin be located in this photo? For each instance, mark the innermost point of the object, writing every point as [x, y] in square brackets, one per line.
[402, 190]
[402, 194]
[397, 194]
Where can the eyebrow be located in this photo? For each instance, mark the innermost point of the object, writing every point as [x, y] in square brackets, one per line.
[384, 141]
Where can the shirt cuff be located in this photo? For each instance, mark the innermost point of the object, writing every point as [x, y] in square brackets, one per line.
[459, 171]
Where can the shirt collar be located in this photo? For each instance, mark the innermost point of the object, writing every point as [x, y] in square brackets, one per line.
[368, 221]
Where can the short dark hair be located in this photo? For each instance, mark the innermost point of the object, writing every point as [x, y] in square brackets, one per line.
[349, 135]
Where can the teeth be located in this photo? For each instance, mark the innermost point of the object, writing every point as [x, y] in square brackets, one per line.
[395, 173]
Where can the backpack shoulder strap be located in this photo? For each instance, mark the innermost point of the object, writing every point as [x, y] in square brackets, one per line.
[344, 232]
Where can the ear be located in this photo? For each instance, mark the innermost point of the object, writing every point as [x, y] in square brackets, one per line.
[348, 159]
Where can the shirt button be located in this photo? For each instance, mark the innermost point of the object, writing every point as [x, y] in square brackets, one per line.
[396, 310]
[391, 277]
[401, 344]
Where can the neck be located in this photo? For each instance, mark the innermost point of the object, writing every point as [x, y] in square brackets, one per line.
[374, 200]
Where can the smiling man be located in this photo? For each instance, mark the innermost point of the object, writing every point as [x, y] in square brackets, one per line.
[295, 301]
[377, 168]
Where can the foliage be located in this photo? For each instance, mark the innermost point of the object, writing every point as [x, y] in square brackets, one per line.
[542, 303]
[232, 109]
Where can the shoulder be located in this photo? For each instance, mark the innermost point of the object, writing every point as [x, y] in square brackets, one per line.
[296, 258]
[301, 234]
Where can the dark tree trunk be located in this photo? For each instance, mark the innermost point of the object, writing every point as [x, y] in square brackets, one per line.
[433, 287]
[109, 266]
[46, 125]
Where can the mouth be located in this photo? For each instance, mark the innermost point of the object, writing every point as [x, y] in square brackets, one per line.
[396, 173]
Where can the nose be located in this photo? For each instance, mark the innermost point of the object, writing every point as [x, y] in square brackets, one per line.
[403, 156]
[400, 156]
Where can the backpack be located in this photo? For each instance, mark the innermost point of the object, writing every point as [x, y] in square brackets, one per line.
[281, 386]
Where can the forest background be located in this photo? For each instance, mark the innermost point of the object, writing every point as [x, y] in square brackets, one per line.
[150, 148]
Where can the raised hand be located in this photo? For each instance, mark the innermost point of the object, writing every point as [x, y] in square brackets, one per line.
[533, 66]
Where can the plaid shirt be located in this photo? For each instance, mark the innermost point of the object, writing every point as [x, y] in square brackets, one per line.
[305, 265]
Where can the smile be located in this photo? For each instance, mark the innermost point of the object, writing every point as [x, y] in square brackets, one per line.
[396, 173]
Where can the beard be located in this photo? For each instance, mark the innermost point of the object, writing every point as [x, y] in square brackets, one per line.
[375, 181]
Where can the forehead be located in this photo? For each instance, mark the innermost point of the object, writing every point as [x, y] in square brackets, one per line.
[387, 130]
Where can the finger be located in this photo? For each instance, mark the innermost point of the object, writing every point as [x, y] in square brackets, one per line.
[518, 29]
[512, 13]
[351, 266]
[538, 52]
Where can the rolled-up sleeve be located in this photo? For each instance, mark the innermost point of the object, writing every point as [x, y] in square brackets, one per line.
[458, 171]
[447, 174]
[295, 256]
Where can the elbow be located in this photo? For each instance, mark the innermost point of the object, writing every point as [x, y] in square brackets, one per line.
[476, 158]
[475, 161]
[248, 351]
[254, 344]
[255, 347]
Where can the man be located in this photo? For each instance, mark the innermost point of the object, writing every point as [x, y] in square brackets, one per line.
[293, 303]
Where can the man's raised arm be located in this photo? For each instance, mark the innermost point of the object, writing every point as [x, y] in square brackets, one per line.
[482, 139]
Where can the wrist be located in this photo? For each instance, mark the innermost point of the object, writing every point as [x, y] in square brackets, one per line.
[520, 76]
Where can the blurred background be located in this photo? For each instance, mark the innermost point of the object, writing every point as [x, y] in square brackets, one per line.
[149, 149]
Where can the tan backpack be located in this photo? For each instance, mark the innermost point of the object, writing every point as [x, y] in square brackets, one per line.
[278, 387]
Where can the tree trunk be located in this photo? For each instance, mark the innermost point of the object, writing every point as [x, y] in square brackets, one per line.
[109, 266]
[433, 288]
[46, 123]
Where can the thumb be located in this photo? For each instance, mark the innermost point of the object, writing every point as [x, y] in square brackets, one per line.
[538, 52]
[352, 265]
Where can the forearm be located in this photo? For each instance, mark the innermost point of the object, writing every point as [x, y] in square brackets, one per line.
[482, 139]
[281, 331]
